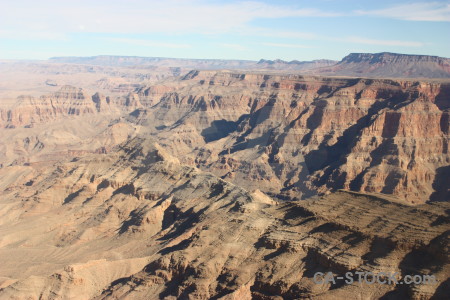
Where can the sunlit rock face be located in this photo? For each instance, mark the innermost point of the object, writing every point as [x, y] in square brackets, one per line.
[225, 185]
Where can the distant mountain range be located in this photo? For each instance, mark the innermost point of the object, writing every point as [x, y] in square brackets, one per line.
[378, 65]
[279, 64]
[124, 61]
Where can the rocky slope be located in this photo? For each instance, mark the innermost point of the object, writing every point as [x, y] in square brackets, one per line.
[67, 101]
[135, 223]
[61, 125]
[226, 185]
[291, 135]
[308, 134]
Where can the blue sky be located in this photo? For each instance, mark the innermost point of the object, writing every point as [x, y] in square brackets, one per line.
[302, 30]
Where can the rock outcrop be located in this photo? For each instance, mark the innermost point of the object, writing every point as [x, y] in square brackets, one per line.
[67, 101]
[291, 136]
[308, 134]
[226, 185]
[135, 224]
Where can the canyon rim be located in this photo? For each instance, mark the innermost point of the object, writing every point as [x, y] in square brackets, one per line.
[233, 150]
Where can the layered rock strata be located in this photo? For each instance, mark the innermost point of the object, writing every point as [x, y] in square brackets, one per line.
[135, 223]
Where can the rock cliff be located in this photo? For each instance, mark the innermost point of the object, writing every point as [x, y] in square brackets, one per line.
[226, 185]
[308, 134]
[290, 135]
[67, 101]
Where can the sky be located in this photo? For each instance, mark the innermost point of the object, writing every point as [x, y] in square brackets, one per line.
[218, 29]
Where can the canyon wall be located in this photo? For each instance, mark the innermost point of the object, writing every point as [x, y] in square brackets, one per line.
[308, 134]
[292, 136]
[226, 185]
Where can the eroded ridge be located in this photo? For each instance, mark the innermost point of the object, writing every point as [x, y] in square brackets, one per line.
[160, 229]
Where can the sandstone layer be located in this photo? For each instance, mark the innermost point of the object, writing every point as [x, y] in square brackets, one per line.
[291, 136]
[135, 223]
[308, 134]
[225, 185]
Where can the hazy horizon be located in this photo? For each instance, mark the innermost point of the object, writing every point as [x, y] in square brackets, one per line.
[206, 59]
[244, 30]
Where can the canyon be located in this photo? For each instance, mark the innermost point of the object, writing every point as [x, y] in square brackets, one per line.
[289, 133]
[131, 178]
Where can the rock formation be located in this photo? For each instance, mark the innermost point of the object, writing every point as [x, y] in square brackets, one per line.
[67, 101]
[292, 134]
[390, 65]
[136, 224]
[224, 184]
[308, 134]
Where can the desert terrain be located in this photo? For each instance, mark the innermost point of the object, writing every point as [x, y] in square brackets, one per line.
[158, 178]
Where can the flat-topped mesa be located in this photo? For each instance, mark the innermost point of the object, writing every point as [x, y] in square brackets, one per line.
[390, 65]
[387, 57]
